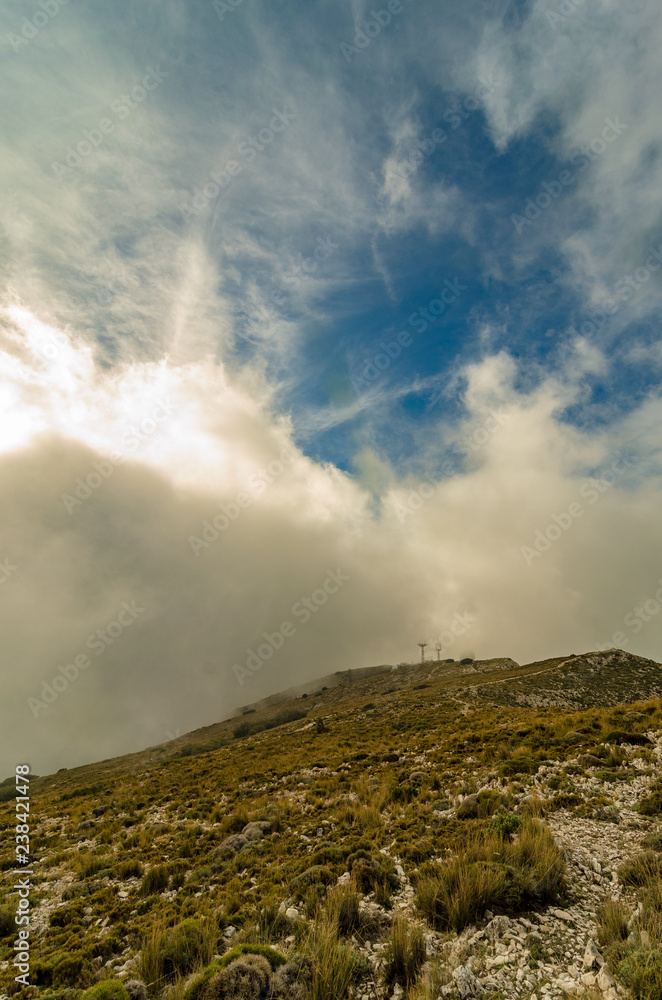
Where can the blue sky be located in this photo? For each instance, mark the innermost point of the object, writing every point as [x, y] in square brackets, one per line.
[352, 234]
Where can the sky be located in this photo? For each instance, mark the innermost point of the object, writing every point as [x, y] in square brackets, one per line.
[326, 328]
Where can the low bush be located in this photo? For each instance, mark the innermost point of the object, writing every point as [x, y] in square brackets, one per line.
[641, 972]
[7, 925]
[617, 736]
[652, 804]
[504, 825]
[327, 853]
[492, 873]
[107, 989]
[653, 841]
[91, 864]
[247, 978]
[196, 990]
[373, 874]
[520, 764]
[313, 876]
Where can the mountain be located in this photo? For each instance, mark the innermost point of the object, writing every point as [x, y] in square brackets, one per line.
[483, 829]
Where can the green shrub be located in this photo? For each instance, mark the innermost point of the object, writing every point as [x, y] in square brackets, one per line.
[107, 989]
[653, 841]
[316, 875]
[370, 873]
[196, 989]
[635, 739]
[521, 764]
[247, 978]
[259, 726]
[155, 880]
[504, 825]
[90, 865]
[68, 993]
[326, 853]
[651, 805]
[641, 971]
[62, 916]
[69, 970]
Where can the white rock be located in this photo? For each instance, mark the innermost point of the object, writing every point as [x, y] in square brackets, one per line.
[592, 957]
[466, 982]
[606, 981]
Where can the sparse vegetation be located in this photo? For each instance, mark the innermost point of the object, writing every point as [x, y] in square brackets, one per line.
[414, 784]
[492, 873]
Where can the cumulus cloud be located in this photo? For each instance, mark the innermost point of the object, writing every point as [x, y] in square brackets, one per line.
[206, 519]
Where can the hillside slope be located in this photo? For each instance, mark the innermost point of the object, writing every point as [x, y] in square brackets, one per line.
[426, 831]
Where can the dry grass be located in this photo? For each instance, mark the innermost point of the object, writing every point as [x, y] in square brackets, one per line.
[493, 874]
[405, 955]
[171, 952]
[612, 922]
[334, 965]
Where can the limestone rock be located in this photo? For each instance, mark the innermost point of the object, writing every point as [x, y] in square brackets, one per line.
[468, 808]
[255, 831]
[606, 981]
[467, 984]
[233, 843]
[592, 957]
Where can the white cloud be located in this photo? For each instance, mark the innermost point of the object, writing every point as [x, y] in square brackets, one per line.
[412, 563]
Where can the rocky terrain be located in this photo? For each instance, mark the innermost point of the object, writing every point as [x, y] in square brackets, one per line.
[443, 830]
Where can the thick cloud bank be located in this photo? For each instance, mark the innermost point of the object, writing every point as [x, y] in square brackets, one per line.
[169, 552]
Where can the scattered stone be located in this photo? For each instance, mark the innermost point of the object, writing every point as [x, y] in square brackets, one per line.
[467, 984]
[233, 843]
[605, 980]
[592, 957]
[468, 808]
[589, 760]
[255, 831]
[497, 926]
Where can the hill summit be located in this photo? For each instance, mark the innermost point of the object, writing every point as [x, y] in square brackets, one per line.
[476, 829]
